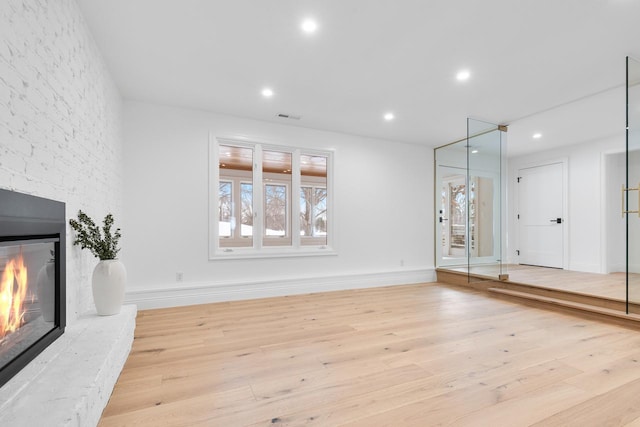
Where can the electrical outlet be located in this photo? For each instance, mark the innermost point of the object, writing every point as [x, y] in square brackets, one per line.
[178, 277]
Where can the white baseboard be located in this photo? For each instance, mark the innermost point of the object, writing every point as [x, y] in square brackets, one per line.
[202, 293]
[633, 268]
[585, 268]
[616, 268]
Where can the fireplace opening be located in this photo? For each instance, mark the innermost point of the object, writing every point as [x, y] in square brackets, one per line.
[32, 278]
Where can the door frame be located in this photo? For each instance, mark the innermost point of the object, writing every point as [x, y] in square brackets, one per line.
[604, 230]
[440, 259]
[565, 203]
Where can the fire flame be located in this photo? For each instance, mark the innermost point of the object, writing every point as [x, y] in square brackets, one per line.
[13, 290]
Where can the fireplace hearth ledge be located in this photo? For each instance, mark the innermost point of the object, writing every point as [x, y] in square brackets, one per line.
[70, 382]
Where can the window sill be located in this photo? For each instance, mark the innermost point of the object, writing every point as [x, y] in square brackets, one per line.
[250, 253]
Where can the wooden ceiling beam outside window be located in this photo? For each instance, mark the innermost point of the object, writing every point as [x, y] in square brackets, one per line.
[240, 158]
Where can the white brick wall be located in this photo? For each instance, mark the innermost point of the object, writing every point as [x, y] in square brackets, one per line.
[60, 122]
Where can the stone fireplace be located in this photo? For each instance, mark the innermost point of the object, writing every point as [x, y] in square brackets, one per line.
[50, 370]
[32, 278]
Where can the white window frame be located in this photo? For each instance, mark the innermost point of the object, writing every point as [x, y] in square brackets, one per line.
[258, 250]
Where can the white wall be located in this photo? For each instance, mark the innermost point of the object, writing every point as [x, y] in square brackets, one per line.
[383, 211]
[586, 200]
[615, 224]
[59, 121]
[633, 218]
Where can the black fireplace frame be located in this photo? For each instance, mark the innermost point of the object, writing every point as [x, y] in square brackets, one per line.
[27, 217]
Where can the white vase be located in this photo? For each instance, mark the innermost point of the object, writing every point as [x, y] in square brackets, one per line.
[46, 290]
[107, 282]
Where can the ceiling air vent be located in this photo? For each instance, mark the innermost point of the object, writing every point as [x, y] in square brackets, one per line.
[288, 116]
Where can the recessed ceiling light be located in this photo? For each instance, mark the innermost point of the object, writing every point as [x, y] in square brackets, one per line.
[309, 26]
[463, 75]
[474, 151]
[537, 135]
[267, 92]
[389, 116]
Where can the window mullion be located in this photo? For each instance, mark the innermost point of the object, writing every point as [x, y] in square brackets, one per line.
[328, 185]
[214, 194]
[296, 182]
[258, 198]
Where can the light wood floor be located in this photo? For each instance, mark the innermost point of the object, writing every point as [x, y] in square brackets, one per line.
[419, 355]
[601, 285]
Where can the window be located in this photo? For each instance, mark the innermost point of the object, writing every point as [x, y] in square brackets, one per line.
[235, 196]
[313, 200]
[277, 178]
[255, 213]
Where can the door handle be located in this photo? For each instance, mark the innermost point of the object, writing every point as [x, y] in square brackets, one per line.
[626, 190]
[557, 220]
[443, 219]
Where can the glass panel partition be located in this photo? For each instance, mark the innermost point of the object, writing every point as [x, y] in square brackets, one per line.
[631, 203]
[485, 170]
[469, 194]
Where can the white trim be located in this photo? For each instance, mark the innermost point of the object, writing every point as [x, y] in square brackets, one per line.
[258, 199]
[294, 208]
[213, 232]
[586, 267]
[566, 213]
[272, 252]
[203, 293]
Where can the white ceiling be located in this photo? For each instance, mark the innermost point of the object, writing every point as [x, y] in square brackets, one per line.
[373, 56]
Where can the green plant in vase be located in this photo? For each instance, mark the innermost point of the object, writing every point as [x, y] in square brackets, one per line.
[101, 242]
[109, 276]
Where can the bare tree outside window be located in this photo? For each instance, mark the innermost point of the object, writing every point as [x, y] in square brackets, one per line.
[224, 208]
[275, 210]
[313, 212]
[246, 195]
[320, 212]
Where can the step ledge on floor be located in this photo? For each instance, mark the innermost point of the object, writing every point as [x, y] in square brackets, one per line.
[534, 288]
[567, 304]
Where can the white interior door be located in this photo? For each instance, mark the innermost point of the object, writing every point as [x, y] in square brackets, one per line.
[540, 215]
